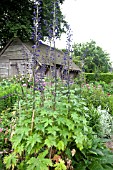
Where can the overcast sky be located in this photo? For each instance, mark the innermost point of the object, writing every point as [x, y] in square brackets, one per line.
[90, 20]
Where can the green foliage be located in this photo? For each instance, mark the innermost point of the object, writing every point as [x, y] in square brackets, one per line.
[60, 165]
[98, 157]
[11, 161]
[110, 104]
[91, 77]
[16, 20]
[91, 57]
[5, 121]
[107, 87]
[100, 105]
[40, 162]
[52, 130]
[8, 94]
[94, 95]
[67, 137]
[106, 77]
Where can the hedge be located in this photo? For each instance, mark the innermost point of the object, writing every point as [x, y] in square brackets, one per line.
[106, 77]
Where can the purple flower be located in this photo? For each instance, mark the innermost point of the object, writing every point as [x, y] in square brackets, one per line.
[34, 46]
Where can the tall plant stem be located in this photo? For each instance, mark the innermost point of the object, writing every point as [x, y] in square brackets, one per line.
[68, 65]
[55, 70]
[68, 86]
[50, 61]
[34, 61]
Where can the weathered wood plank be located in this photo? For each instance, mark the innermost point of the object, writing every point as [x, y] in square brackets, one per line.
[4, 68]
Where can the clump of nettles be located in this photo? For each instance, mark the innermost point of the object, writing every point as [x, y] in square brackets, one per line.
[106, 122]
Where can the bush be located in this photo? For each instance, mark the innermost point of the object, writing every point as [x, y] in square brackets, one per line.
[106, 77]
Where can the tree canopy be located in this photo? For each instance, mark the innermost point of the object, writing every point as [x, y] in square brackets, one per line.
[16, 18]
[91, 57]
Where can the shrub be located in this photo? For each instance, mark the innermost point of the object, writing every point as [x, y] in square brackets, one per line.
[92, 77]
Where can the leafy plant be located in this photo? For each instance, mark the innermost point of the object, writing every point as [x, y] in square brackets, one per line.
[53, 131]
[55, 134]
[94, 95]
[8, 94]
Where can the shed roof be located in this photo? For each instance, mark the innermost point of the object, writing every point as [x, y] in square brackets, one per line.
[43, 53]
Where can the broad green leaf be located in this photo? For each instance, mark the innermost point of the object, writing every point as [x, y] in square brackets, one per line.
[70, 124]
[39, 127]
[108, 167]
[16, 140]
[64, 132]
[93, 152]
[81, 166]
[19, 149]
[39, 163]
[32, 140]
[75, 117]
[43, 154]
[47, 122]
[33, 163]
[79, 139]
[22, 130]
[60, 165]
[107, 159]
[10, 161]
[50, 141]
[60, 145]
[52, 130]
[96, 166]
[60, 120]
[83, 119]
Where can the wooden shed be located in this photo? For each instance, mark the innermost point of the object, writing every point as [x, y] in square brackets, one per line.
[17, 58]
